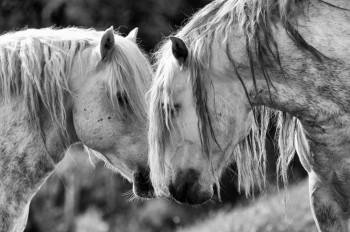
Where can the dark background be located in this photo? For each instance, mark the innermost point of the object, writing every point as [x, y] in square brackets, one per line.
[154, 18]
[78, 196]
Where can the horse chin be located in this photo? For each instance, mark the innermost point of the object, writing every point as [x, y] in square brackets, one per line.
[199, 200]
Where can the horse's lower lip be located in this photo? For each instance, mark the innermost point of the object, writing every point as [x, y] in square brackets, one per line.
[190, 202]
[177, 201]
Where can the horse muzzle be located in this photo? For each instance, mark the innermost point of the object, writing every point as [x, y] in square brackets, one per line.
[142, 185]
[187, 190]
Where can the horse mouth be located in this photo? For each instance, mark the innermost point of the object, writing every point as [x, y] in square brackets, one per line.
[142, 184]
[190, 197]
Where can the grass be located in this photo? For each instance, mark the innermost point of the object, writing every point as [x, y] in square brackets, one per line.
[270, 212]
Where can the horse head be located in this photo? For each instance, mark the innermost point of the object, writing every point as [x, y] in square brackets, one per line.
[196, 120]
[109, 83]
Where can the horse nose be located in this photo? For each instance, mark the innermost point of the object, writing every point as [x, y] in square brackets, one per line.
[186, 188]
[142, 184]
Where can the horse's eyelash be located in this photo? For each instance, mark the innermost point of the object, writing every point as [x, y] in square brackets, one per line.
[176, 107]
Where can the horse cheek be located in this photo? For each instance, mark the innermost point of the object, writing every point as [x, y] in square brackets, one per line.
[90, 126]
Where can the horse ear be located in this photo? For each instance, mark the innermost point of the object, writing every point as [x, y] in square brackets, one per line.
[133, 35]
[107, 43]
[179, 50]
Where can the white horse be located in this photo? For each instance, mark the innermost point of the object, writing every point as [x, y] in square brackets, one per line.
[235, 58]
[63, 86]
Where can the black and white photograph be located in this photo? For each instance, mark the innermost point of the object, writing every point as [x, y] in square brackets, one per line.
[174, 115]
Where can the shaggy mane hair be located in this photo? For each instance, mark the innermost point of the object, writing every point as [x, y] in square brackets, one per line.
[36, 63]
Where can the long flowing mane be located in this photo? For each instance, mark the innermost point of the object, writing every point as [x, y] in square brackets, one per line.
[36, 63]
[255, 19]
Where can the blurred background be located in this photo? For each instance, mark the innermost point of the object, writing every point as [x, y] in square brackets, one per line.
[83, 196]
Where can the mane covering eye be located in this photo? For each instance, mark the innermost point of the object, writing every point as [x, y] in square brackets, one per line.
[171, 110]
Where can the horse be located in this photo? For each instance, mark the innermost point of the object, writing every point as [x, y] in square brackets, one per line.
[60, 87]
[233, 66]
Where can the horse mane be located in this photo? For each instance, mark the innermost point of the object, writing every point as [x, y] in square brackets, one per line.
[255, 19]
[36, 63]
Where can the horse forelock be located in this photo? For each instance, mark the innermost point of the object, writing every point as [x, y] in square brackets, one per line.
[255, 19]
[160, 99]
[130, 73]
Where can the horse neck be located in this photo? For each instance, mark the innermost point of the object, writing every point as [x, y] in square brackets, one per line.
[26, 162]
[314, 92]
[28, 157]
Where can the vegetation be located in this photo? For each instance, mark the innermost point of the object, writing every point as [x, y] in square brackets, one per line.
[82, 195]
[276, 212]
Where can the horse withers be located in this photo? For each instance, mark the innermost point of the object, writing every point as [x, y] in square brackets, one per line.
[64, 86]
[237, 58]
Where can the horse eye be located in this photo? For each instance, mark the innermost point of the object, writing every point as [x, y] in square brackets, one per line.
[171, 110]
[175, 109]
[122, 99]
